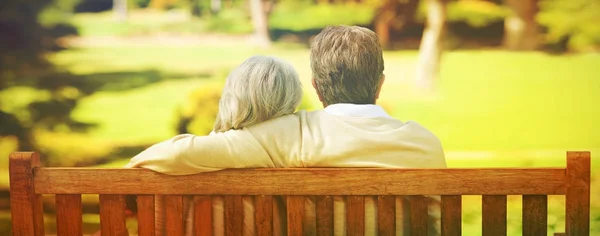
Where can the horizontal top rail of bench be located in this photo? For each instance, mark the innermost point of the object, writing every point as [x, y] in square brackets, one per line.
[305, 181]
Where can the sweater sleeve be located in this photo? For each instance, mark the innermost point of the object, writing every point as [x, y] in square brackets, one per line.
[189, 154]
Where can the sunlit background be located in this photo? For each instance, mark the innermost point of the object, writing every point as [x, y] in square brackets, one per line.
[93, 82]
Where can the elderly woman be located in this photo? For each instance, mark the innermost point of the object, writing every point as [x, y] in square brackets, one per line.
[260, 89]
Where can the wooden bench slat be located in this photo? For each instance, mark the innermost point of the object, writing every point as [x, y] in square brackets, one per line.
[27, 213]
[234, 215]
[112, 215]
[323, 181]
[324, 215]
[174, 221]
[203, 220]
[451, 215]
[493, 215]
[263, 215]
[386, 215]
[578, 194]
[69, 214]
[418, 215]
[355, 215]
[295, 215]
[145, 215]
[535, 215]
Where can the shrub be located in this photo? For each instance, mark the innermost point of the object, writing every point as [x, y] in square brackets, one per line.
[575, 21]
[197, 115]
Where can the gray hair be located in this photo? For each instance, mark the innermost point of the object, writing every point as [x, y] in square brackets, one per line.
[347, 64]
[259, 89]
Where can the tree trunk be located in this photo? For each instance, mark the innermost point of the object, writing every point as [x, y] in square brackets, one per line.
[383, 20]
[521, 32]
[260, 23]
[120, 10]
[431, 48]
[393, 15]
[215, 6]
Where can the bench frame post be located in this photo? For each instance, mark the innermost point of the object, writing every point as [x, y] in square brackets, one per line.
[577, 200]
[26, 208]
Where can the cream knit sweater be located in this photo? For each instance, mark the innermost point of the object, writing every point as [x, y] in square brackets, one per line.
[305, 139]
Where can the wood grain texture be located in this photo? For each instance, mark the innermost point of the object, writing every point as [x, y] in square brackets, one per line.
[203, 220]
[386, 215]
[234, 215]
[27, 213]
[112, 215]
[418, 215]
[263, 215]
[535, 215]
[68, 215]
[174, 221]
[493, 215]
[295, 215]
[355, 215]
[145, 215]
[317, 181]
[578, 194]
[324, 215]
[451, 215]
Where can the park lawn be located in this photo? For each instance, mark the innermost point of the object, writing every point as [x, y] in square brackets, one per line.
[485, 100]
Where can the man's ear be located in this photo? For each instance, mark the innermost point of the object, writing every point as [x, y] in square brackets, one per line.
[314, 84]
[379, 87]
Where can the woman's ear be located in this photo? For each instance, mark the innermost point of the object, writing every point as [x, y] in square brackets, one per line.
[379, 87]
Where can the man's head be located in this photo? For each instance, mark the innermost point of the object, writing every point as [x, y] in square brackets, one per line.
[347, 65]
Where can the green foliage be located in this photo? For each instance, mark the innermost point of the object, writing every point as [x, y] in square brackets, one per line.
[199, 111]
[476, 13]
[142, 3]
[229, 20]
[574, 20]
[302, 16]
[57, 12]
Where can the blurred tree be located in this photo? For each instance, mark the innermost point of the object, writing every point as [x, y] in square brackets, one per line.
[23, 42]
[162, 4]
[430, 51]
[571, 24]
[120, 10]
[260, 10]
[385, 15]
[197, 115]
[215, 6]
[521, 31]
[393, 14]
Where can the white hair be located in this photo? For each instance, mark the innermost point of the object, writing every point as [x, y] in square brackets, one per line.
[259, 89]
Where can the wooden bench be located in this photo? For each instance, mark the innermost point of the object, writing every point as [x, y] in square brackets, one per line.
[28, 181]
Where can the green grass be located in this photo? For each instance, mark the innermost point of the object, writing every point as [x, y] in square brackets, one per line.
[144, 22]
[486, 100]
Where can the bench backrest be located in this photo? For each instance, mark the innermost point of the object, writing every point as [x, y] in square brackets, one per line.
[28, 181]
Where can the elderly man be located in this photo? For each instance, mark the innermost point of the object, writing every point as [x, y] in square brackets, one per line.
[352, 131]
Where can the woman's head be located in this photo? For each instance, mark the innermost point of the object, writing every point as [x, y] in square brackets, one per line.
[259, 89]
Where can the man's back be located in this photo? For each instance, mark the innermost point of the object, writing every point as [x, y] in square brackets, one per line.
[323, 139]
